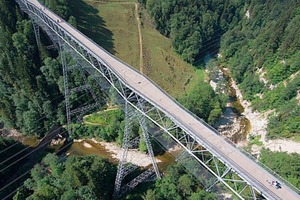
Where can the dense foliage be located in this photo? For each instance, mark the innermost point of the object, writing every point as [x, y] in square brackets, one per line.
[193, 25]
[287, 165]
[263, 55]
[261, 50]
[107, 125]
[177, 184]
[258, 43]
[7, 163]
[59, 7]
[267, 40]
[16, 160]
[88, 177]
[29, 83]
[204, 102]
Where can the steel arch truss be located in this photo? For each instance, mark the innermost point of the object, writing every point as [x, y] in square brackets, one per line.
[73, 65]
[197, 158]
[211, 171]
[132, 141]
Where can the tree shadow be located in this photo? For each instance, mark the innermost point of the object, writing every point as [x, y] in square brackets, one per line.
[91, 24]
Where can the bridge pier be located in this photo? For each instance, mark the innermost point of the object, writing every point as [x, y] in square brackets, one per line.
[36, 29]
[130, 140]
[77, 113]
[204, 153]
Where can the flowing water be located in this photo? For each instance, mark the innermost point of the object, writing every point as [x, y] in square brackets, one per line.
[236, 109]
[27, 141]
[232, 124]
[88, 147]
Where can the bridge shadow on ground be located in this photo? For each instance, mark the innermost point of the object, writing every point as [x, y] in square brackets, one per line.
[91, 24]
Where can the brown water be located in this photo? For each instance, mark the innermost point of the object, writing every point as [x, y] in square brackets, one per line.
[237, 108]
[28, 141]
[80, 149]
[88, 147]
[33, 141]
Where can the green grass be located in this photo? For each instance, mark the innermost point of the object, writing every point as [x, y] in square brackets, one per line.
[296, 138]
[162, 64]
[101, 118]
[91, 24]
[200, 74]
[113, 25]
[120, 20]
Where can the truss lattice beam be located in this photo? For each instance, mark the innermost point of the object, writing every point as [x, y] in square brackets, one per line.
[167, 130]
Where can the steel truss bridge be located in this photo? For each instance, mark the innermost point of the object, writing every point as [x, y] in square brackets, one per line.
[214, 161]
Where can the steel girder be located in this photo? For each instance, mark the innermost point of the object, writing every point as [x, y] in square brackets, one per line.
[129, 140]
[166, 129]
[36, 29]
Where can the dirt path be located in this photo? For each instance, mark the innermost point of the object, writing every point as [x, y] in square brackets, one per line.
[140, 36]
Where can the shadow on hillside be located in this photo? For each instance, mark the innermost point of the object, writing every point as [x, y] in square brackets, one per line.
[91, 24]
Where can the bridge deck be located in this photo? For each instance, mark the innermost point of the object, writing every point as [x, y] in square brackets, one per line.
[250, 170]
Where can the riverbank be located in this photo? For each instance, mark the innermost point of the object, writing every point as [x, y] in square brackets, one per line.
[240, 123]
[133, 155]
[259, 122]
[232, 124]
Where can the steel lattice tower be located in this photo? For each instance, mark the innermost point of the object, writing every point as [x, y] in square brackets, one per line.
[212, 159]
[129, 140]
[131, 114]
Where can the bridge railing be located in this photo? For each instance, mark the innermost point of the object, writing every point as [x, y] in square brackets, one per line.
[283, 180]
[279, 177]
[174, 100]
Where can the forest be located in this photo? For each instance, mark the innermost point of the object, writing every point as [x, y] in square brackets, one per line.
[88, 177]
[91, 177]
[30, 81]
[262, 53]
[260, 48]
[32, 102]
[194, 25]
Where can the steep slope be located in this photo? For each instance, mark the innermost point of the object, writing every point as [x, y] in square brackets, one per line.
[263, 55]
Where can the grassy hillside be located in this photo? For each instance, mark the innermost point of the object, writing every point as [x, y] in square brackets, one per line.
[163, 65]
[114, 26]
[119, 18]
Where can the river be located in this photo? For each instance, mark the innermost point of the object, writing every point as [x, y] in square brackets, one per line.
[104, 150]
[232, 124]
[241, 129]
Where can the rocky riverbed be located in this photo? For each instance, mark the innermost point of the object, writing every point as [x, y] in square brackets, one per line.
[240, 121]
